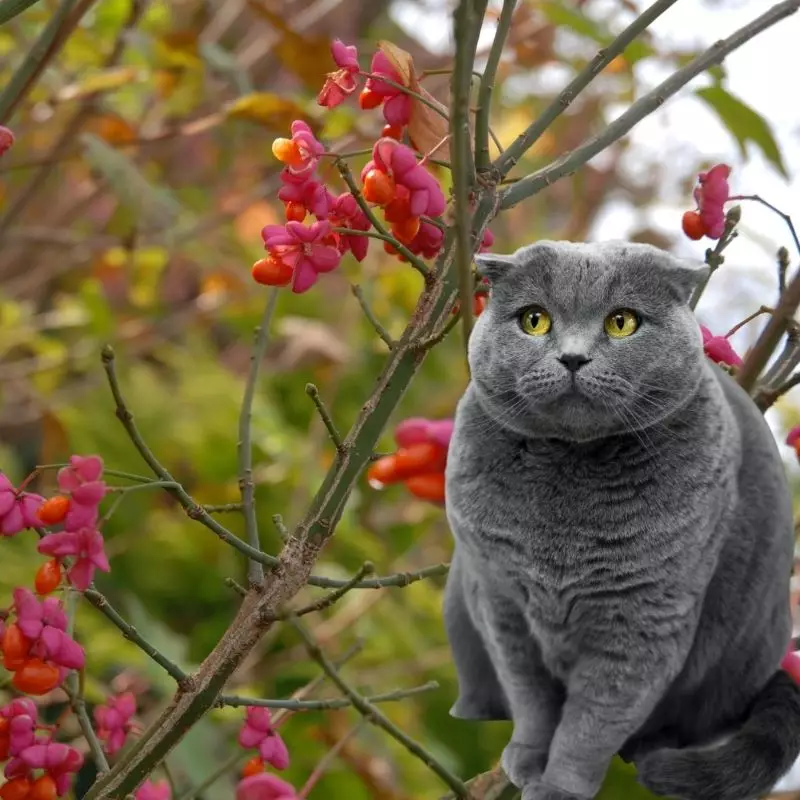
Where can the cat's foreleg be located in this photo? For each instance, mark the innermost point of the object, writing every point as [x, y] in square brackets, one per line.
[480, 695]
[534, 697]
[607, 702]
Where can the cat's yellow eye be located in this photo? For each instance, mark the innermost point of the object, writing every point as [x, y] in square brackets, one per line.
[621, 323]
[535, 321]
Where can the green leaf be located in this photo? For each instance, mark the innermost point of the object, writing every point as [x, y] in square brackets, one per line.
[560, 14]
[10, 8]
[744, 124]
[153, 205]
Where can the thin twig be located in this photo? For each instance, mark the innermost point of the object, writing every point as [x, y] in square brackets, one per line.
[604, 57]
[569, 162]
[383, 334]
[129, 632]
[749, 318]
[328, 759]
[783, 266]
[785, 217]
[222, 508]
[714, 257]
[44, 48]
[329, 599]
[277, 719]
[255, 571]
[347, 177]
[237, 587]
[78, 705]
[776, 327]
[325, 416]
[433, 340]
[283, 531]
[193, 510]
[767, 396]
[432, 104]
[482, 128]
[373, 715]
[399, 579]
[324, 705]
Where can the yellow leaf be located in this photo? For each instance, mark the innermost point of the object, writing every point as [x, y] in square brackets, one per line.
[266, 108]
[102, 82]
[54, 439]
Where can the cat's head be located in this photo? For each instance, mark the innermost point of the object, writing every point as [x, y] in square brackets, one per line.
[583, 341]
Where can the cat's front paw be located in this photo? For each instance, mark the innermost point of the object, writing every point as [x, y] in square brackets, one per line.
[523, 764]
[543, 791]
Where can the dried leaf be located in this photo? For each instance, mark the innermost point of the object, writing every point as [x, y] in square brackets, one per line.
[400, 60]
[105, 81]
[266, 108]
[426, 128]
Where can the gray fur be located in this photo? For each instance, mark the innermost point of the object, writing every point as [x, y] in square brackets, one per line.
[620, 580]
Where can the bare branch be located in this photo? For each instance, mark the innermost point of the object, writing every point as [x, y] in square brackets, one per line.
[255, 571]
[568, 163]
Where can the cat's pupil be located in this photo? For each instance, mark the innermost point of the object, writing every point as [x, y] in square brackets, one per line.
[535, 318]
[619, 321]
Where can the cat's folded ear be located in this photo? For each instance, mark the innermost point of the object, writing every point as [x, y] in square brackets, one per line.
[680, 274]
[493, 265]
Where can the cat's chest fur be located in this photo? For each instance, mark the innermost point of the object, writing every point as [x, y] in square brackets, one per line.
[585, 536]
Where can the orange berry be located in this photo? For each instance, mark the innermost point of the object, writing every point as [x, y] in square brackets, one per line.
[392, 131]
[54, 510]
[15, 647]
[43, 788]
[36, 677]
[271, 271]
[295, 212]
[479, 304]
[369, 99]
[15, 789]
[420, 459]
[48, 577]
[693, 225]
[390, 248]
[287, 151]
[254, 766]
[406, 230]
[379, 187]
[383, 471]
[398, 210]
[427, 487]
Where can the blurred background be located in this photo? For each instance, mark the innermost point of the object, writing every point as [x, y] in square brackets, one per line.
[130, 212]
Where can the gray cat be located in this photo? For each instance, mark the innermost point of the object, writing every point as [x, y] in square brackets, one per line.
[623, 527]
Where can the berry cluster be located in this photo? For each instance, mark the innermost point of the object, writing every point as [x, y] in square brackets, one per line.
[397, 180]
[420, 460]
[259, 732]
[711, 194]
[37, 768]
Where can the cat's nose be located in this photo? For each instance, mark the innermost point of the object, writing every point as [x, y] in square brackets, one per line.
[573, 361]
